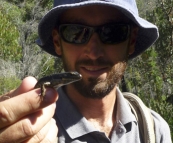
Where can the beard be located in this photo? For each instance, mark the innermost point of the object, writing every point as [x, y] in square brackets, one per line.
[100, 88]
[96, 88]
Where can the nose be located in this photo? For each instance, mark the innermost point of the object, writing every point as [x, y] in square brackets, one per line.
[94, 48]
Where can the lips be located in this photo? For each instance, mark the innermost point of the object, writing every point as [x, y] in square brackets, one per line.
[93, 68]
[93, 71]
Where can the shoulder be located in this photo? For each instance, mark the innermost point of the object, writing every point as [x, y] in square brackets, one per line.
[162, 130]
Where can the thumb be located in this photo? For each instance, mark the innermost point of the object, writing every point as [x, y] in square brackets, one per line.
[26, 85]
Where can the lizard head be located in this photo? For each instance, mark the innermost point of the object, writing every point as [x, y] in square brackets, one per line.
[66, 78]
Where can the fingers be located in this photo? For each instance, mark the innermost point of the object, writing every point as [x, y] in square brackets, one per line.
[27, 84]
[17, 107]
[6, 96]
[36, 125]
[48, 134]
[51, 137]
[23, 114]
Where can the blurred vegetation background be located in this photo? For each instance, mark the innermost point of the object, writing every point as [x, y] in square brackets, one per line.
[150, 75]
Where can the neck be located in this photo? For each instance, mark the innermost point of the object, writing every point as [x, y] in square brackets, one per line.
[100, 112]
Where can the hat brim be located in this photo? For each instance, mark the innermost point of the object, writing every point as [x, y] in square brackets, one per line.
[147, 33]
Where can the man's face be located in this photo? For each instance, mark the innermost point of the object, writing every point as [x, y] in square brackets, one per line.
[101, 65]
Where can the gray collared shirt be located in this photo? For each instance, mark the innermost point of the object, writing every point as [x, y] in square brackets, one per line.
[74, 128]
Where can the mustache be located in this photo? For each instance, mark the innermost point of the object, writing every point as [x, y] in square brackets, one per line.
[97, 62]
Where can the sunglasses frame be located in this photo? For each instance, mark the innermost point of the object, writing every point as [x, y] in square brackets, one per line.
[94, 29]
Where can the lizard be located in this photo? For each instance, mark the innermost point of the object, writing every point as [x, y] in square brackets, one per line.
[56, 81]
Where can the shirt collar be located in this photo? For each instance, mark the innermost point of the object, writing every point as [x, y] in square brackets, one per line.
[124, 114]
[76, 125]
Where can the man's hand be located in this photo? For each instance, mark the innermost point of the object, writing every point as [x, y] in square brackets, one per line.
[24, 117]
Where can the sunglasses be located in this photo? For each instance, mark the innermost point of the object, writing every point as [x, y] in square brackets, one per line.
[81, 34]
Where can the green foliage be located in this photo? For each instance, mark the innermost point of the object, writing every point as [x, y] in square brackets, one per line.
[42, 3]
[47, 4]
[50, 66]
[162, 107]
[144, 78]
[15, 1]
[9, 83]
[162, 16]
[30, 8]
[150, 75]
[9, 35]
[11, 11]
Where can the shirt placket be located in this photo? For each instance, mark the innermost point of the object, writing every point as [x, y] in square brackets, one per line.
[118, 132]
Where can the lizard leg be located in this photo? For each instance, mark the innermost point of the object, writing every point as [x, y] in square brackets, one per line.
[43, 89]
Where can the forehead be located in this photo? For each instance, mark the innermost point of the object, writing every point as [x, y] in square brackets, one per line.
[93, 15]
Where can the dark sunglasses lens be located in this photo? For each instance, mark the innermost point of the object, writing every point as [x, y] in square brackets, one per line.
[76, 34]
[112, 34]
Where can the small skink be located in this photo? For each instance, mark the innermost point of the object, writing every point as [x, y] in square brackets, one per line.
[57, 80]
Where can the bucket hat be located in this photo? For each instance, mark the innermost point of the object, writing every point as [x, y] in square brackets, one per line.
[147, 33]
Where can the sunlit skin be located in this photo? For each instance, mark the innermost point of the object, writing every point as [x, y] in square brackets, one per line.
[95, 61]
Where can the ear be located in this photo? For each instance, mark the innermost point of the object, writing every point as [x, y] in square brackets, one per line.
[133, 38]
[56, 42]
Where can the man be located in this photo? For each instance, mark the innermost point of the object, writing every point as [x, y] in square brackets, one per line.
[95, 38]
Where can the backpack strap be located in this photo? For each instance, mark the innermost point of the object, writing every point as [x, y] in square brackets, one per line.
[143, 116]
